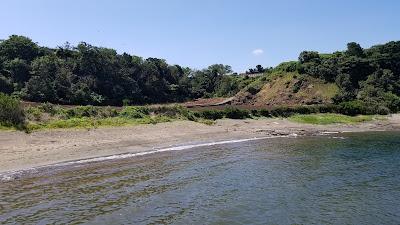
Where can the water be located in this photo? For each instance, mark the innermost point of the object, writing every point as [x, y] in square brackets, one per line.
[351, 179]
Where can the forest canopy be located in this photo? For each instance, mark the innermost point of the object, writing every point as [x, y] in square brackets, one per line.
[86, 74]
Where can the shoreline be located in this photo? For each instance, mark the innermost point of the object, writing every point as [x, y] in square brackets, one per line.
[15, 174]
[21, 151]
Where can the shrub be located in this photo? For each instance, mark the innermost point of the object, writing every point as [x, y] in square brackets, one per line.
[305, 109]
[82, 111]
[352, 108]
[382, 110]
[188, 114]
[171, 111]
[212, 114]
[255, 112]
[235, 113]
[265, 113]
[135, 112]
[11, 112]
[108, 112]
[174, 111]
[49, 108]
[328, 108]
[282, 112]
[34, 113]
[287, 67]
[254, 89]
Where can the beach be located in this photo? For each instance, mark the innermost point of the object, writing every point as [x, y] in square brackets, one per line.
[20, 150]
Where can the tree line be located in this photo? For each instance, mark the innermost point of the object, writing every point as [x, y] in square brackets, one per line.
[91, 75]
[87, 74]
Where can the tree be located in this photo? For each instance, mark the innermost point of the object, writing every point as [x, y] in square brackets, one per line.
[354, 49]
[347, 90]
[260, 69]
[19, 70]
[6, 85]
[18, 47]
[41, 87]
[309, 56]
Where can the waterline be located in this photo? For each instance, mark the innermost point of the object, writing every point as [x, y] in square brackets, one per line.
[11, 175]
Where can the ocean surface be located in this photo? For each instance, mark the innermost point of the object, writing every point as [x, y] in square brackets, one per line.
[332, 179]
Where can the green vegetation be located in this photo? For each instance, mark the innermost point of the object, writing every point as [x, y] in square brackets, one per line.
[357, 81]
[229, 112]
[329, 118]
[90, 75]
[50, 116]
[370, 76]
[11, 112]
[89, 122]
[47, 116]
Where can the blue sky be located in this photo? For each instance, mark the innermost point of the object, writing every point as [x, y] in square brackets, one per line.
[240, 33]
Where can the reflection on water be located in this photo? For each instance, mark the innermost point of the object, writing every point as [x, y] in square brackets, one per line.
[313, 180]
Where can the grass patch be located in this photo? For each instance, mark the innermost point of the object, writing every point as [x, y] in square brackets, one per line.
[330, 118]
[206, 121]
[89, 122]
[84, 122]
[5, 128]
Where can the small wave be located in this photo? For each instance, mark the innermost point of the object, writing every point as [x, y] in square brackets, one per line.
[330, 132]
[342, 138]
[12, 175]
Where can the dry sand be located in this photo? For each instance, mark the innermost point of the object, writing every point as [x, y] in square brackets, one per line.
[19, 150]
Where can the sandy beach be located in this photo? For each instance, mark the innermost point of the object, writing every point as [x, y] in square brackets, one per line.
[19, 150]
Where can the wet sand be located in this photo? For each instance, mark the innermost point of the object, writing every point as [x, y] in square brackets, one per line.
[19, 150]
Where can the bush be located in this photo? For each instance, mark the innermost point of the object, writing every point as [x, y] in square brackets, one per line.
[108, 112]
[171, 110]
[285, 111]
[347, 108]
[212, 114]
[255, 112]
[135, 112]
[235, 113]
[382, 110]
[11, 112]
[49, 108]
[287, 67]
[34, 113]
[328, 108]
[282, 112]
[265, 113]
[352, 108]
[82, 111]
[174, 111]
[305, 109]
[358, 107]
[255, 87]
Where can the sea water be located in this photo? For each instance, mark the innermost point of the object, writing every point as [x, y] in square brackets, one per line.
[330, 179]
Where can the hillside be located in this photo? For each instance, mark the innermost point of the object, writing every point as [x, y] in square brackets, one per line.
[287, 89]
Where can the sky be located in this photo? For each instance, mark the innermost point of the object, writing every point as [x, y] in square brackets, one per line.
[239, 33]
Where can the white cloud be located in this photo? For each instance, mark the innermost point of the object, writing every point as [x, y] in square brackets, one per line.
[257, 52]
